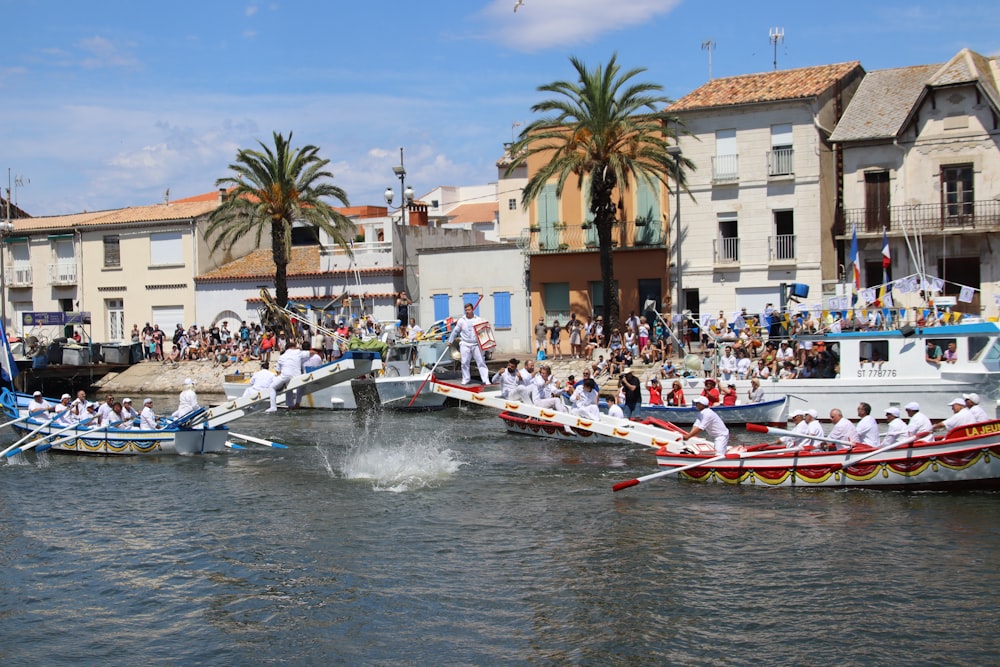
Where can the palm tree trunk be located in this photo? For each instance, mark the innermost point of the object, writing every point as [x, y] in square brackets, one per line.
[279, 253]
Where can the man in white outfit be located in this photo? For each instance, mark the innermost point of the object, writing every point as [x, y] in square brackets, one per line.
[727, 365]
[919, 422]
[586, 400]
[798, 418]
[711, 424]
[508, 379]
[465, 331]
[843, 429]
[897, 427]
[188, 400]
[289, 366]
[972, 402]
[867, 426]
[813, 427]
[147, 418]
[263, 382]
[960, 416]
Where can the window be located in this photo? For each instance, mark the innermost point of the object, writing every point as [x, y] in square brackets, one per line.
[116, 318]
[728, 249]
[512, 204]
[597, 296]
[555, 300]
[957, 193]
[20, 272]
[546, 217]
[874, 352]
[501, 310]
[876, 200]
[440, 302]
[779, 160]
[112, 252]
[783, 245]
[166, 248]
[168, 317]
[725, 164]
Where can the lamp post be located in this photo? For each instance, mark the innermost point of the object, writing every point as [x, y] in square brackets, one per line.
[675, 152]
[6, 227]
[407, 199]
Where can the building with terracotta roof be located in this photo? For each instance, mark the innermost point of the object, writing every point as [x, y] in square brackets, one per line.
[760, 209]
[127, 266]
[920, 158]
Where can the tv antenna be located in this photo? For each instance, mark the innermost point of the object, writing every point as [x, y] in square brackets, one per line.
[709, 45]
[776, 35]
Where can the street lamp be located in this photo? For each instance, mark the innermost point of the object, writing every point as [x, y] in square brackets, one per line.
[675, 152]
[6, 227]
[400, 172]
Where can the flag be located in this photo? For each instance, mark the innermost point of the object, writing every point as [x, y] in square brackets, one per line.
[8, 367]
[886, 263]
[855, 267]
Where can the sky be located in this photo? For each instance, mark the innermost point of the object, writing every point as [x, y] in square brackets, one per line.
[111, 104]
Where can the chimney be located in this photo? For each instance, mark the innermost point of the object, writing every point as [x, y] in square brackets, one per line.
[222, 195]
[418, 215]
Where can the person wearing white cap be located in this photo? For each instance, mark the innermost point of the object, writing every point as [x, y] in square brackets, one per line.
[263, 381]
[798, 417]
[972, 402]
[128, 411]
[897, 427]
[188, 400]
[66, 417]
[960, 416]
[919, 422]
[813, 428]
[39, 406]
[711, 424]
[147, 418]
[843, 429]
[867, 427]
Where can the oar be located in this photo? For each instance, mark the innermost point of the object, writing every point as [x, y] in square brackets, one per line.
[259, 441]
[59, 441]
[729, 455]
[16, 446]
[233, 445]
[434, 367]
[875, 452]
[14, 421]
[663, 473]
[760, 428]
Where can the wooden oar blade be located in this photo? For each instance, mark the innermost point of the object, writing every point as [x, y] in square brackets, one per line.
[758, 428]
[624, 485]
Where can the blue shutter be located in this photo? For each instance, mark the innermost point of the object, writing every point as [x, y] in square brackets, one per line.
[501, 310]
[470, 297]
[440, 306]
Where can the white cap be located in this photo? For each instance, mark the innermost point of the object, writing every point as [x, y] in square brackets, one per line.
[126, 400]
[957, 401]
[892, 411]
[912, 405]
[147, 401]
[796, 413]
[812, 413]
[37, 393]
[65, 396]
[188, 381]
[701, 400]
[971, 397]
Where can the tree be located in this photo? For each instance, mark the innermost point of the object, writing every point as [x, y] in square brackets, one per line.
[270, 191]
[610, 129]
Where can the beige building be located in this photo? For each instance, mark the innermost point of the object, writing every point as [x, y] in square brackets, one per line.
[761, 208]
[921, 163]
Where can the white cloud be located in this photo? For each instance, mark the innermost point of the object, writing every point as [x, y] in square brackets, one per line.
[542, 24]
[251, 10]
[100, 52]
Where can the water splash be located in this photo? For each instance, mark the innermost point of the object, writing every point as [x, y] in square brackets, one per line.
[400, 467]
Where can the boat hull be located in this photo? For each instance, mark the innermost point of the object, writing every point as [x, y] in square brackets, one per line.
[112, 442]
[772, 412]
[967, 458]
[391, 393]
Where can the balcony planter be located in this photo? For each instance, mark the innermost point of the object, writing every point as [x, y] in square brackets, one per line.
[563, 246]
[586, 225]
[559, 226]
[641, 223]
[592, 244]
[534, 229]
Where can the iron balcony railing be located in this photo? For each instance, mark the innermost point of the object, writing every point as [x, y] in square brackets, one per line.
[725, 168]
[981, 215]
[559, 237]
[780, 162]
[727, 250]
[781, 248]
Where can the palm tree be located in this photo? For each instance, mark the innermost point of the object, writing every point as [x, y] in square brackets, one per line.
[609, 129]
[269, 191]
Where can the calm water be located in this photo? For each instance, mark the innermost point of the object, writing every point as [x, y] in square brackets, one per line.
[436, 538]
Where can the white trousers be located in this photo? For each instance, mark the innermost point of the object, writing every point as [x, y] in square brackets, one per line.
[473, 351]
[250, 391]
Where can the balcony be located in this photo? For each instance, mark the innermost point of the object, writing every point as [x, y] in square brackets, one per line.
[780, 163]
[17, 276]
[726, 251]
[633, 234]
[781, 249]
[62, 273]
[922, 218]
[725, 169]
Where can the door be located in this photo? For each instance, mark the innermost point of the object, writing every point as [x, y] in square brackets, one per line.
[876, 201]
[116, 319]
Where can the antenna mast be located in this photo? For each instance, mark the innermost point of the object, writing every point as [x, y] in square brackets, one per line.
[776, 35]
[709, 45]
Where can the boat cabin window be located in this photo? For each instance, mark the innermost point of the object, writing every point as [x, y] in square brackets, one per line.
[945, 347]
[976, 345]
[874, 352]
